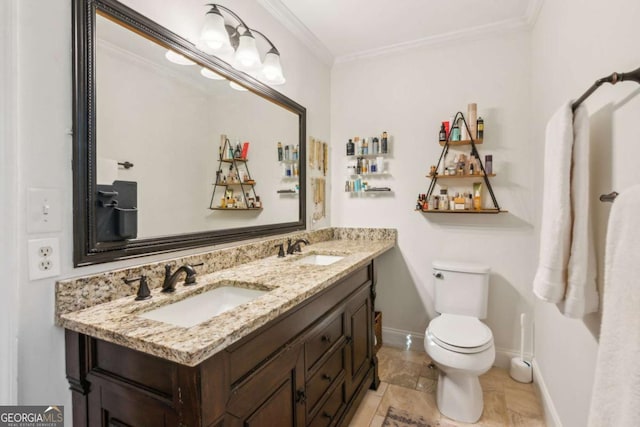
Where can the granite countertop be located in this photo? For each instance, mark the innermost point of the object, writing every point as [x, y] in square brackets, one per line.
[289, 283]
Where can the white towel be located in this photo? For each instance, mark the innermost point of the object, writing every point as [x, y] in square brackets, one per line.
[616, 389]
[566, 270]
[581, 296]
[550, 280]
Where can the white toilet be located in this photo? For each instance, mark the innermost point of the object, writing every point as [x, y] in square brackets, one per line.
[459, 344]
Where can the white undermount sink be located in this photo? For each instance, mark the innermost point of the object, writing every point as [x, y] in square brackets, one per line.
[319, 259]
[202, 307]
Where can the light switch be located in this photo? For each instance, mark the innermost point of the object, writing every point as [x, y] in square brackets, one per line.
[44, 210]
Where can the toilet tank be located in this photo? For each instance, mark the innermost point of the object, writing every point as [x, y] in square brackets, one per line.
[461, 288]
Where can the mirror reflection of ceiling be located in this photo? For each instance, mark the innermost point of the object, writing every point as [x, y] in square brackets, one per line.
[167, 119]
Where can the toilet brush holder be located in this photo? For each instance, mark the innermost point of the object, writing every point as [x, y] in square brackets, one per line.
[521, 370]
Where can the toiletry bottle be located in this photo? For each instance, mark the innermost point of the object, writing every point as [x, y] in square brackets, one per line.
[279, 151]
[442, 137]
[385, 142]
[472, 116]
[350, 148]
[379, 164]
[455, 133]
[488, 164]
[286, 152]
[444, 200]
[365, 146]
[258, 202]
[477, 195]
[295, 152]
[480, 127]
[237, 153]
[356, 141]
[375, 145]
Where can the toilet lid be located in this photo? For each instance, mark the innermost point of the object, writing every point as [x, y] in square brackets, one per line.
[464, 333]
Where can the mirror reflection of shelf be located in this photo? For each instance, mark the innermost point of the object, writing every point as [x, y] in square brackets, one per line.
[227, 199]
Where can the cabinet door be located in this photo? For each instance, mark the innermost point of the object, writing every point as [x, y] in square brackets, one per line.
[274, 395]
[115, 406]
[359, 339]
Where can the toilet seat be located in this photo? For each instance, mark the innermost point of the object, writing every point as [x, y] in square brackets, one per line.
[461, 334]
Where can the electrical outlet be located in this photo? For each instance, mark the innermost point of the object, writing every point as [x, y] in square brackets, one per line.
[44, 258]
[45, 264]
[45, 251]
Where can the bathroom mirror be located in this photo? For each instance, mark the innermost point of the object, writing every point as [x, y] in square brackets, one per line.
[157, 127]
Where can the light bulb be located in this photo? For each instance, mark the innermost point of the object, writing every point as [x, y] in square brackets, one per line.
[247, 57]
[214, 34]
[272, 70]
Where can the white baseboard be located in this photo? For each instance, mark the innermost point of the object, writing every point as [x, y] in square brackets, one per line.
[551, 415]
[408, 340]
[405, 340]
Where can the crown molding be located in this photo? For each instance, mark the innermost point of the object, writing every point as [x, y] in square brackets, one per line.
[295, 25]
[474, 33]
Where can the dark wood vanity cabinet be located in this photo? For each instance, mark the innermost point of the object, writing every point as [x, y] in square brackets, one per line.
[310, 366]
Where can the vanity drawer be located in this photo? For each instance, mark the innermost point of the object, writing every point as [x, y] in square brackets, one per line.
[323, 338]
[331, 410]
[331, 371]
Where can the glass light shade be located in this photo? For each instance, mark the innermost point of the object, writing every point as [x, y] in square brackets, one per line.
[236, 86]
[211, 74]
[247, 57]
[176, 58]
[214, 34]
[272, 70]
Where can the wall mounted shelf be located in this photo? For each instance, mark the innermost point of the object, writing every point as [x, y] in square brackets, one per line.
[483, 175]
[462, 142]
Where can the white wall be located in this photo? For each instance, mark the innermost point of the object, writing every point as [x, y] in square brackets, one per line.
[44, 120]
[8, 211]
[408, 94]
[575, 42]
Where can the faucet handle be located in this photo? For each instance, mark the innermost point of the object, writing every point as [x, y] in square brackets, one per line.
[143, 290]
[280, 250]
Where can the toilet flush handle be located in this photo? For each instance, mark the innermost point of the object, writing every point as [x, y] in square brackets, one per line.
[438, 275]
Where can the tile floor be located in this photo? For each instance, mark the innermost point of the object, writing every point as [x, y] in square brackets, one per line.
[409, 383]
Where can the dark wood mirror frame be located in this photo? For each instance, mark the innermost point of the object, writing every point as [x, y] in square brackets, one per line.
[87, 249]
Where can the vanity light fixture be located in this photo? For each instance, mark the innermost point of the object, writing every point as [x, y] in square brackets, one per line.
[237, 46]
